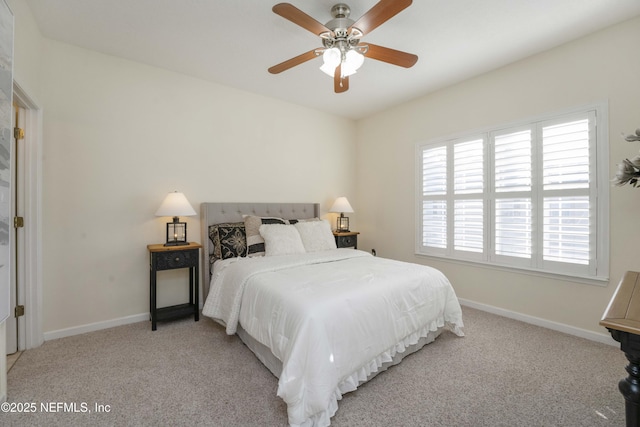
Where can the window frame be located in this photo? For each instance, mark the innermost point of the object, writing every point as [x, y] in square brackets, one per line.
[597, 270]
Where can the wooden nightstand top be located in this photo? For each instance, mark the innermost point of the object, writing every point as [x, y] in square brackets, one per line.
[346, 233]
[623, 313]
[160, 247]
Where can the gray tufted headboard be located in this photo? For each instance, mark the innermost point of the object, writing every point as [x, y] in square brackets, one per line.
[216, 213]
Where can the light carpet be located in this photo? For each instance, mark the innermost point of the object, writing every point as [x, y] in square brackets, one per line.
[502, 373]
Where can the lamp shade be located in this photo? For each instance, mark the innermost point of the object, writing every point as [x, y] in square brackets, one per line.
[175, 204]
[341, 205]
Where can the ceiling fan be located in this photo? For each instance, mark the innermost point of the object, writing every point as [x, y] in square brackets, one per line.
[342, 51]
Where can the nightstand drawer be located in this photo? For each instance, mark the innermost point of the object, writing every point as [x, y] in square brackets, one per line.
[174, 259]
[347, 239]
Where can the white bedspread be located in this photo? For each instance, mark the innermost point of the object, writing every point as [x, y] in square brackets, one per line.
[331, 317]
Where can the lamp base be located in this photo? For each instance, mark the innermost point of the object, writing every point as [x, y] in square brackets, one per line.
[342, 224]
[176, 233]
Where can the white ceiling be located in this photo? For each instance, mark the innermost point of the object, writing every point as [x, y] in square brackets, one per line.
[233, 42]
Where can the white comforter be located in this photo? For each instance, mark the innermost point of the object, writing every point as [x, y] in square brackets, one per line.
[331, 317]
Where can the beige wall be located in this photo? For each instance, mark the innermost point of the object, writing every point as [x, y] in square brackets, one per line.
[120, 135]
[604, 66]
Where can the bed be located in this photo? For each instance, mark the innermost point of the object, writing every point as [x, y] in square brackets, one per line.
[323, 320]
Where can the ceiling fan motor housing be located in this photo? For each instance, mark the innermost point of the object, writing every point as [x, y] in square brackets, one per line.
[340, 10]
[340, 21]
[340, 25]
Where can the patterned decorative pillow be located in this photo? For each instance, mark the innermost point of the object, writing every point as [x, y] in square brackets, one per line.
[295, 221]
[255, 242]
[229, 240]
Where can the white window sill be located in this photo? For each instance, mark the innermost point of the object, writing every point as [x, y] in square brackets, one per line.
[596, 281]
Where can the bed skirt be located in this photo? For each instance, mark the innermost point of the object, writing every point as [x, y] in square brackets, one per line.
[264, 354]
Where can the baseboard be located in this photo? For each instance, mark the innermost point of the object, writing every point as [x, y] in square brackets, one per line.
[560, 327]
[91, 327]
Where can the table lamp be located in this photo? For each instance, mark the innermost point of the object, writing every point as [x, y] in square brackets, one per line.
[176, 205]
[341, 205]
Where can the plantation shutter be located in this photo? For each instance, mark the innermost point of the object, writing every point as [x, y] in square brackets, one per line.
[434, 204]
[468, 188]
[525, 196]
[513, 198]
[566, 201]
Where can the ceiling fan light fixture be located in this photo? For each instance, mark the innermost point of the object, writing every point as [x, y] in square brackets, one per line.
[331, 59]
[328, 70]
[353, 61]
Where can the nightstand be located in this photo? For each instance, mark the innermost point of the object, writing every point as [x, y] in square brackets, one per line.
[346, 239]
[170, 258]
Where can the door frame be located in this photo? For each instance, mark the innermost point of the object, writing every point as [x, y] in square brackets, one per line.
[15, 325]
[30, 281]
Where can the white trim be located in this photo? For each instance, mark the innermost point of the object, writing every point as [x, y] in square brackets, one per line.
[521, 270]
[32, 290]
[537, 321]
[97, 326]
[560, 327]
[602, 153]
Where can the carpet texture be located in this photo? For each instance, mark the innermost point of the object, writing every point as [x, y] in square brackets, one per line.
[502, 373]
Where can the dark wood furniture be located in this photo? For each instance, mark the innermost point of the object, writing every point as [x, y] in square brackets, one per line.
[170, 258]
[346, 239]
[622, 319]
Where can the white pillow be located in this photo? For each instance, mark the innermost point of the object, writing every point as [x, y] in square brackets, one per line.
[255, 242]
[281, 239]
[316, 235]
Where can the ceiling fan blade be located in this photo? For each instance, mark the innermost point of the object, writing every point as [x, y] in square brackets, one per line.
[290, 63]
[298, 17]
[379, 14]
[391, 56]
[340, 84]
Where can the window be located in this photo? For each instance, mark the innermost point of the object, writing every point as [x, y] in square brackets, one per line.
[522, 196]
